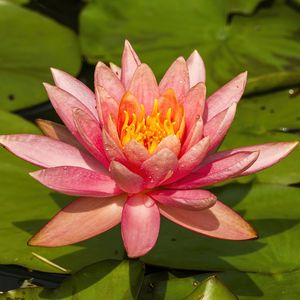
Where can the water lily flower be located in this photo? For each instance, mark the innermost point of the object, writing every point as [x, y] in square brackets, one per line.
[136, 149]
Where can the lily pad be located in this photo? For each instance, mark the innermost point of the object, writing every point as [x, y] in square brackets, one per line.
[28, 49]
[105, 280]
[265, 43]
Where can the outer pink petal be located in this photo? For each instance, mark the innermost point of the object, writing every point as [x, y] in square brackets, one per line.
[112, 150]
[77, 181]
[269, 154]
[196, 68]
[117, 70]
[140, 225]
[136, 153]
[58, 132]
[130, 62]
[91, 135]
[106, 78]
[46, 152]
[64, 104]
[159, 167]
[224, 97]
[193, 136]
[80, 220]
[144, 86]
[185, 199]
[219, 221]
[127, 180]
[190, 160]
[170, 142]
[218, 170]
[194, 105]
[76, 88]
[106, 105]
[176, 78]
[217, 127]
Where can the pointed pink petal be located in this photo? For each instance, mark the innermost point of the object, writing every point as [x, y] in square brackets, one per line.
[269, 154]
[92, 216]
[176, 78]
[194, 105]
[106, 105]
[185, 199]
[190, 160]
[136, 153]
[219, 221]
[218, 170]
[91, 135]
[130, 62]
[77, 181]
[117, 70]
[64, 104]
[46, 152]
[193, 136]
[159, 167]
[76, 88]
[217, 127]
[106, 78]
[170, 142]
[111, 149]
[127, 180]
[58, 132]
[224, 97]
[140, 225]
[196, 68]
[144, 87]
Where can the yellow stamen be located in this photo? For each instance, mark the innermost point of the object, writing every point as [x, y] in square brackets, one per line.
[149, 130]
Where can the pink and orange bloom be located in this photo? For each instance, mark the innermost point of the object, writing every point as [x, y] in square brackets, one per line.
[137, 149]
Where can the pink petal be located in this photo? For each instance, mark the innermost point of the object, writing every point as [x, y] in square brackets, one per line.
[106, 78]
[111, 149]
[140, 225]
[127, 180]
[106, 105]
[269, 154]
[193, 136]
[224, 97]
[190, 160]
[90, 135]
[130, 62]
[64, 104]
[219, 221]
[194, 105]
[136, 153]
[77, 181]
[159, 167]
[58, 132]
[185, 199]
[117, 70]
[170, 142]
[92, 216]
[176, 78]
[76, 88]
[144, 87]
[217, 127]
[218, 170]
[196, 68]
[46, 152]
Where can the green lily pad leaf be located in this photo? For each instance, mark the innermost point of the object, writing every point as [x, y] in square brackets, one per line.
[264, 119]
[28, 49]
[162, 31]
[247, 286]
[26, 206]
[273, 210]
[105, 280]
[211, 289]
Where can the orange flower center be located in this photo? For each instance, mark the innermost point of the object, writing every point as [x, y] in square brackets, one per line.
[166, 118]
